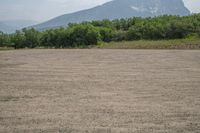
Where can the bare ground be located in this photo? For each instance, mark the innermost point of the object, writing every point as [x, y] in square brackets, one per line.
[100, 91]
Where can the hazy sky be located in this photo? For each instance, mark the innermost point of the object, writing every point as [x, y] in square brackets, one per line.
[41, 10]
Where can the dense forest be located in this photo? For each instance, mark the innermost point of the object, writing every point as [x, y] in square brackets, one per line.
[91, 33]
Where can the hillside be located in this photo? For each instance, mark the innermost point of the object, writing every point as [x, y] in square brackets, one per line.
[10, 26]
[120, 9]
[5, 28]
[18, 24]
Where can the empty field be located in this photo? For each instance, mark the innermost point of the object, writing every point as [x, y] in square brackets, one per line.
[100, 91]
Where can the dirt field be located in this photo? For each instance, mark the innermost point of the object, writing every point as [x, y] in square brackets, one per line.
[100, 91]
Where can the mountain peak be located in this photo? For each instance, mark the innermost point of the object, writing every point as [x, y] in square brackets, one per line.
[120, 9]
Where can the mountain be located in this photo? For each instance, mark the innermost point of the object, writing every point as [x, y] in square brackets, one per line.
[11, 26]
[5, 28]
[19, 24]
[120, 9]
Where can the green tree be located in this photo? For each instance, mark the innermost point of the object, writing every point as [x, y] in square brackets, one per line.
[84, 34]
[4, 39]
[106, 34]
[31, 38]
[135, 32]
[18, 39]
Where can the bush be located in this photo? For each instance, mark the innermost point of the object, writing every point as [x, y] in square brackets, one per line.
[4, 40]
[84, 34]
[119, 36]
[106, 34]
[134, 33]
[18, 40]
[31, 38]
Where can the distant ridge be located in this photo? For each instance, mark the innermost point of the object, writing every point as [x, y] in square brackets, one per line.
[10, 26]
[5, 28]
[119, 9]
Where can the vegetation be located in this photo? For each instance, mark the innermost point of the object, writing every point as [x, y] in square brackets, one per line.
[86, 34]
[193, 43]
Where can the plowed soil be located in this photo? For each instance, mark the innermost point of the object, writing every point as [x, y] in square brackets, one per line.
[100, 91]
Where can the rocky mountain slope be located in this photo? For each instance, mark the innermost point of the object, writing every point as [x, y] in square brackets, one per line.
[120, 9]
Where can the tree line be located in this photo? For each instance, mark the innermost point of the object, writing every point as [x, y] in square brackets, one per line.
[91, 33]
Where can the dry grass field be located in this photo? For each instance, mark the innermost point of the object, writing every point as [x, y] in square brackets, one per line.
[100, 91]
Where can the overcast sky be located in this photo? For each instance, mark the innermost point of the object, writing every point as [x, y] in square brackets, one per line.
[42, 10]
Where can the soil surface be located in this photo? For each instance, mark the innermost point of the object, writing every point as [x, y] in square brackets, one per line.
[100, 91]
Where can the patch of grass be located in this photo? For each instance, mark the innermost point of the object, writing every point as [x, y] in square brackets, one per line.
[6, 48]
[193, 43]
